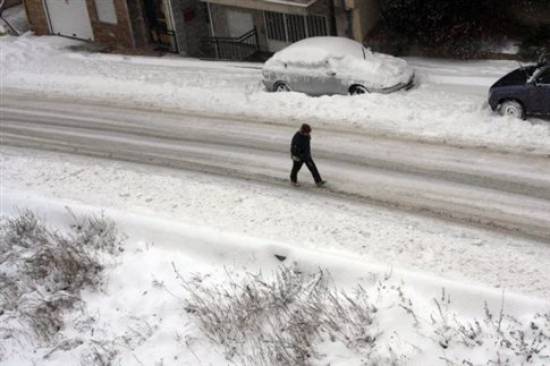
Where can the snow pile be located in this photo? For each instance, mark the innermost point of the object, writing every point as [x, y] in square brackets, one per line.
[347, 58]
[206, 257]
[194, 296]
[448, 106]
[299, 318]
[316, 50]
[298, 218]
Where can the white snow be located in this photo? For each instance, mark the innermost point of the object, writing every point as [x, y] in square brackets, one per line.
[217, 227]
[317, 50]
[347, 58]
[296, 218]
[448, 105]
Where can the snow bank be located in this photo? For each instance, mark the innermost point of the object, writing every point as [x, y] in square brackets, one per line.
[297, 218]
[448, 106]
[141, 316]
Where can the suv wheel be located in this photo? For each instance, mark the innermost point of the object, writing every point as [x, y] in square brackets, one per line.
[512, 108]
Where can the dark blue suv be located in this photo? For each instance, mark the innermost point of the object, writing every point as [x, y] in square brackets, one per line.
[523, 92]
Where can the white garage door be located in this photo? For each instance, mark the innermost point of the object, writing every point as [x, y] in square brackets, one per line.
[70, 18]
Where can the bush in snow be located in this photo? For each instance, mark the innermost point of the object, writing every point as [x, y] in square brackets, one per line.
[42, 272]
[294, 317]
[499, 339]
[281, 321]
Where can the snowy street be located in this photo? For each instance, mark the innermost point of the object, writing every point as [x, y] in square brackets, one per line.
[449, 104]
[475, 185]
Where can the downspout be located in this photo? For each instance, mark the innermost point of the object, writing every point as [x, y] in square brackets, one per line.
[213, 35]
[349, 19]
[129, 22]
[332, 16]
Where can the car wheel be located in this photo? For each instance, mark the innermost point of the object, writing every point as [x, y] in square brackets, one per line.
[358, 90]
[512, 108]
[281, 87]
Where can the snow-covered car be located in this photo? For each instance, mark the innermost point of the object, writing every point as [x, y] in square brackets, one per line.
[335, 65]
[523, 92]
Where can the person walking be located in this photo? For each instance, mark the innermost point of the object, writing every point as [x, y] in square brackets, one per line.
[300, 152]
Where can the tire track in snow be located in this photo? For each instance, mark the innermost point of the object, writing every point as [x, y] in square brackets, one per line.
[478, 199]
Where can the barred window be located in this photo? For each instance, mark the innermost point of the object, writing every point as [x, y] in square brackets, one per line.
[292, 28]
[316, 26]
[296, 27]
[275, 24]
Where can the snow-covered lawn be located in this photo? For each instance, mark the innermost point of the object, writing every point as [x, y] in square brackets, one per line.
[214, 230]
[448, 105]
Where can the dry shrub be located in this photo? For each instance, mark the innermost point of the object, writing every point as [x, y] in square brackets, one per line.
[280, 321]
[42, 271]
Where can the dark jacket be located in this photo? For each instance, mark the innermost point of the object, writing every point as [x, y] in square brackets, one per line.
[300, 146]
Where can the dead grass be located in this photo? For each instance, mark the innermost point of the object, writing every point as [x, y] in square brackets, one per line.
[280, 321]
[42, 272]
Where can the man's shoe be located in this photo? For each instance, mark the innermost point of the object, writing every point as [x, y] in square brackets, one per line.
[321, 183]
[295, 184]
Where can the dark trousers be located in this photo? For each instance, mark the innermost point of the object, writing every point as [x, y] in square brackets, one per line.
[297, 165]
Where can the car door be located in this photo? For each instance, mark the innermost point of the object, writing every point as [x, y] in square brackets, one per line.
[326, 78]
[310, 78]
[539, 95]
[300, 77]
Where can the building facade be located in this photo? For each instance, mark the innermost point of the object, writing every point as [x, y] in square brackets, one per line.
[224, 29]
[238, 27]
[124, 24]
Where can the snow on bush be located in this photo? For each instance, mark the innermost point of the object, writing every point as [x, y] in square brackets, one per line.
[299, 319]
[280, 321]
[42, 272]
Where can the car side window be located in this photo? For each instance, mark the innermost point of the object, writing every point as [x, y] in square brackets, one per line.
[544, 77]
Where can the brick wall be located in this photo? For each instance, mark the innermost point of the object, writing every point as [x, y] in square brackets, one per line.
[117, 35]
[37, 17]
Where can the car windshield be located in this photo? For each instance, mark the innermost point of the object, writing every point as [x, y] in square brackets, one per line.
[529, 71]
[542, 76]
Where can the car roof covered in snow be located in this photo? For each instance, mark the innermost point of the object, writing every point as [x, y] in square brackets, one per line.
[318, 49]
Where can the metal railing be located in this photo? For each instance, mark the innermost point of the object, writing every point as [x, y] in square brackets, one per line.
[232, 48]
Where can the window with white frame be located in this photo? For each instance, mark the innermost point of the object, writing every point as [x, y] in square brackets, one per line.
[106, 12]
[292, 28]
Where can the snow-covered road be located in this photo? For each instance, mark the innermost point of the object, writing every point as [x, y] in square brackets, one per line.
[449, 104]
[506, 191]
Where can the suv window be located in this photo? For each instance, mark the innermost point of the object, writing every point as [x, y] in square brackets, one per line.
[544, 77]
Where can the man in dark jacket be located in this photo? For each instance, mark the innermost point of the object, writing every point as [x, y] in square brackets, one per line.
[300, 152]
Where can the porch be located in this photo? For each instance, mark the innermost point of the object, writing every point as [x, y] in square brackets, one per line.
[239, 33]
